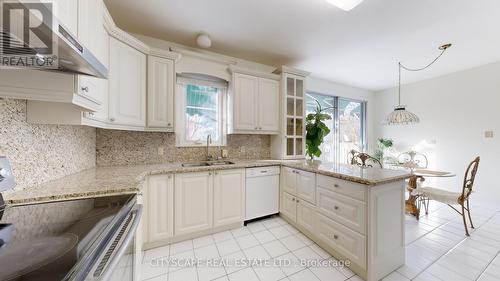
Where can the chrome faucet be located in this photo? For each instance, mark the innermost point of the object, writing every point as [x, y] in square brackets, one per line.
[209, 141]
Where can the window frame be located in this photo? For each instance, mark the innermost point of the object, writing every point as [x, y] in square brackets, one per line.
[180, 117]
[336, 121]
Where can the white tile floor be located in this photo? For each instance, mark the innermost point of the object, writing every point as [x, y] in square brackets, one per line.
[437, 249]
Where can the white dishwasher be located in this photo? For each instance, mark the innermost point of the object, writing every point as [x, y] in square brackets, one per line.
[262, 192]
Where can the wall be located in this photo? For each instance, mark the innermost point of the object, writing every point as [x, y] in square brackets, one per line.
[322, 86]
[126, 148]
[39, 153]
[455, 111]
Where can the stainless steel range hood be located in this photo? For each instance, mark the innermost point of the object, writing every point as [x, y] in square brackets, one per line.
[71, 56]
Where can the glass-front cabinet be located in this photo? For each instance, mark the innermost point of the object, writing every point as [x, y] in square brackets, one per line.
[291, 143]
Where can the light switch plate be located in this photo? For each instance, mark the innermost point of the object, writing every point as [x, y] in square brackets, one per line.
[488, 134]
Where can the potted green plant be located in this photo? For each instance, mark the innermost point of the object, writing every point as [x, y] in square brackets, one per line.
[382, 144]
[316, 131]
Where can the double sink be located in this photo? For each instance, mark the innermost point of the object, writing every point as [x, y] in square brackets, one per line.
[207, 163]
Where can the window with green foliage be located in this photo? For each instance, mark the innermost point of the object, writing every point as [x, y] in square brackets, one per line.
[199, 113]
[347, 125]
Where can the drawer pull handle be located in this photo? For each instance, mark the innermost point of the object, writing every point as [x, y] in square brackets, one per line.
[336, 207]
[85, 89]
[335, 236]
[335, 185]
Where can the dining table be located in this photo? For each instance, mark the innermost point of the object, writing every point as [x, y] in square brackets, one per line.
[411, 206]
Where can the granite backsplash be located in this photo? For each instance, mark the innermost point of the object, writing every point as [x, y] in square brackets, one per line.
[40, 153]
[116, 147]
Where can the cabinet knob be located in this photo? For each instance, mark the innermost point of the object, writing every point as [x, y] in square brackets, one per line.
[298, 200]
[112, 119]
[335, 185]
[256, 128]
[335, 236]
[336, 207]
[169, 124]
[293, 199]
[260, 128]
[85, 89]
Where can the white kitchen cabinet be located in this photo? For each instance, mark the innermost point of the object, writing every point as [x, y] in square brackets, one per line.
[254, 103]
[288, 206]
[306, 186]
[290, 142]
[127, 85]
[289, 180]
[229, 197]
[159, 208]
[246, 91]
[268, 105]
[299, 183]
[193, 202]
[306, 215]
[160, 99]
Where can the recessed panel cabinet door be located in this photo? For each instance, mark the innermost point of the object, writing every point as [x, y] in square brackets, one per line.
[306, 186]
[289, 180]
[127, 85]
[229, 197]
[160, 208]
[246, 89]
[160, 93]
[306, 215]
[268, 106]
[288, 206]
[193, 202]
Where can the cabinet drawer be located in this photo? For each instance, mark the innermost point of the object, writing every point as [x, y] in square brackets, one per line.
[354, 190]
[349, 212]
[345, 241]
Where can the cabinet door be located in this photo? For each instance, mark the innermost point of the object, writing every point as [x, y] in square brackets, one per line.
[127, 85]
[306, 215]
[246, 90]
[288, 180]
[229, 198]
[193, 202]
[288, 206]
[160, 208]
[268, 105]
[306, 186]
[160, 92]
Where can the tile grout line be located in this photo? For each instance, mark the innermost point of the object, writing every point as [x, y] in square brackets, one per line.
[454, 247]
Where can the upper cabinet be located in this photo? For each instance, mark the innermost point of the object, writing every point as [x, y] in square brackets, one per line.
[290, 143]
[254, 103]
[127, 85]
[160, 97]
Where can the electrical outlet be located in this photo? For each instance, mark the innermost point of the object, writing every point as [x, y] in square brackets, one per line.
[161, 150]
[488, 134]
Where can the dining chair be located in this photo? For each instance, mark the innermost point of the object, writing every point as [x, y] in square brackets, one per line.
[413, 160]
[363, 160]
[451, 198]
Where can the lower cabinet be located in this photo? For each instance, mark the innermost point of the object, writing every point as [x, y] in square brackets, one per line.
[229, 197]
[159, 211]
[187, 204]
[299, 211]
[193, 202]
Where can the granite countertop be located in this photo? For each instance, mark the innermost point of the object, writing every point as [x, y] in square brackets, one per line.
[116, 180]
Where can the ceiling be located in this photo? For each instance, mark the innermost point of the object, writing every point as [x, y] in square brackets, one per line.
[359, 48]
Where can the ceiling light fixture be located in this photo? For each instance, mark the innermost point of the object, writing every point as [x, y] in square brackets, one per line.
[203, 41]
[400, 116]
[345, 5]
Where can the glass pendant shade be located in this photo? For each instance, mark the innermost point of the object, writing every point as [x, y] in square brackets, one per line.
[400, 116]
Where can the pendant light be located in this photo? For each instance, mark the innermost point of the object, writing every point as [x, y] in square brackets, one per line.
[401, 116]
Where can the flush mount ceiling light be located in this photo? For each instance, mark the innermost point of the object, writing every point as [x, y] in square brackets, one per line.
[203, 41]
[345, 5]
[400, 116]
